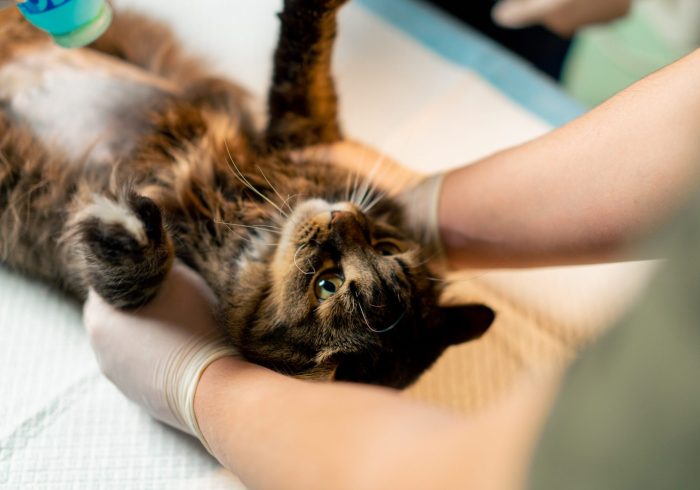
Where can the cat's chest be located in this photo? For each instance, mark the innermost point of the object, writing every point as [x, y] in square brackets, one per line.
[84, 104]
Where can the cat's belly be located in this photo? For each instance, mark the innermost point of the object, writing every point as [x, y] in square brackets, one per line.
[85, 104]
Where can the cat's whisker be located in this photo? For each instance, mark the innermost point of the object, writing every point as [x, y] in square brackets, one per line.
[376, 306]
[347, 187]
[369, 188]
[360, 195]
[380, 195]
[284, 202]
[250, 239]
[258, 241]
[366, 194]
[355, 182]
[423, 262]
[266, 228]
[384, 330]
[365, 189]
[313, 270]
[245, 182]
[363, 185]
[273, 227]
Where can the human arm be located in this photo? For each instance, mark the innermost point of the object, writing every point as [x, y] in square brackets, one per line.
[279, 432]
[564, 17]
[583, 192]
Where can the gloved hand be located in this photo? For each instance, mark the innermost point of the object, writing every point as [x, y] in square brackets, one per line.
[421, 212]
[157, 354]
[561, 16]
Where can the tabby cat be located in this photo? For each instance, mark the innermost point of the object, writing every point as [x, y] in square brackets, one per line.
[117, 159]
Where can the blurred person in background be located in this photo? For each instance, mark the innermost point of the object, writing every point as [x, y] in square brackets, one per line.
[594, 47]
[538, 30]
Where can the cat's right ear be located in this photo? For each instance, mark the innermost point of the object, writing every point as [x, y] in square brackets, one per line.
[459, 324]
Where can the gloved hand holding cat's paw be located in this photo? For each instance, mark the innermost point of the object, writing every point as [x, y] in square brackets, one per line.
[421, 212]
[156, 355]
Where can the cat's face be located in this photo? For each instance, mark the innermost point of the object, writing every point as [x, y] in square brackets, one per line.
[348, 296]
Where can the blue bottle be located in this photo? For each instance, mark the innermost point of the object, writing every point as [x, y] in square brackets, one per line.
[71, 23]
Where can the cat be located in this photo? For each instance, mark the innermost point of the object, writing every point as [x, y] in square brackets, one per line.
[117, 159]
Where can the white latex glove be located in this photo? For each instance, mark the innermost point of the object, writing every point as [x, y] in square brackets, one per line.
[561, 16]
[421, 208]
[157, 355]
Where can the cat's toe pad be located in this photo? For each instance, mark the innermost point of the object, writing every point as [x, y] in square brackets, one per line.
[125, 250]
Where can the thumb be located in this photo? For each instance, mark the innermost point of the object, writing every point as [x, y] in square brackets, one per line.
[523, 13]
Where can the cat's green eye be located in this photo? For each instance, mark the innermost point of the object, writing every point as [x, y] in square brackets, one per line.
[387, 248]
[328, 284]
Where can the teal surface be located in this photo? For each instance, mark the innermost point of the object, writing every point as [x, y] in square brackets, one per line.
[463, 46]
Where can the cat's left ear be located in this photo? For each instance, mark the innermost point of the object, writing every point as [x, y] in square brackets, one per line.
[458, 324]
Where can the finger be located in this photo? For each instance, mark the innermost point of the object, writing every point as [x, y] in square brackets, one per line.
[523, 13]
[95, 311]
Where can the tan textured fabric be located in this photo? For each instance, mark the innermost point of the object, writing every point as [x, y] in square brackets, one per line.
[544, 317]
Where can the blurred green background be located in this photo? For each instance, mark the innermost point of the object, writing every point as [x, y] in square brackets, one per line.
[605, 59]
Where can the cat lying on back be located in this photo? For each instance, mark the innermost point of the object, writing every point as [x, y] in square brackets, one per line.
[116, 160]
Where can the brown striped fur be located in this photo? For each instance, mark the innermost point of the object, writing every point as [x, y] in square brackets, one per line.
[193, 179]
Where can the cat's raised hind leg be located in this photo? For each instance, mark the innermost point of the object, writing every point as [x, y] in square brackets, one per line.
[302, 102]
[122, 247]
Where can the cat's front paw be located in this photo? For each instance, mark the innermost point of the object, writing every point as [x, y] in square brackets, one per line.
[124, 248]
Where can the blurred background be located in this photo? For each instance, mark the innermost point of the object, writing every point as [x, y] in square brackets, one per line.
[594, 48]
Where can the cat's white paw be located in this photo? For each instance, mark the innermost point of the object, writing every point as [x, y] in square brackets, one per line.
[110, 212]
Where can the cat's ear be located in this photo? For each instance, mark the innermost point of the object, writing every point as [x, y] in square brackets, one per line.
[458, 324]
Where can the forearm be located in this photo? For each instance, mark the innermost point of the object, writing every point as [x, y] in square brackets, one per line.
[277, 432]
[585, 191]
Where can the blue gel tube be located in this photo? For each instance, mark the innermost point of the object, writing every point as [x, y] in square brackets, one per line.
[71, 23]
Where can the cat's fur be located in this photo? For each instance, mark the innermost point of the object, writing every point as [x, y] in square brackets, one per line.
[171, 167]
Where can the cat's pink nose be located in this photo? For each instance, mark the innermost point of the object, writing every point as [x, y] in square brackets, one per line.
[345, 225]
[340, 217]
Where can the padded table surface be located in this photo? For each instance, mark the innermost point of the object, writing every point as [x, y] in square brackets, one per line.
[416, 85]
